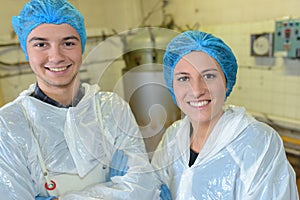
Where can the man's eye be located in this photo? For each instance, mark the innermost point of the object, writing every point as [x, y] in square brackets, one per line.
[68, 44]
[40, 44]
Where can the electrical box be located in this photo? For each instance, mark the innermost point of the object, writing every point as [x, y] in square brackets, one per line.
[287, 37]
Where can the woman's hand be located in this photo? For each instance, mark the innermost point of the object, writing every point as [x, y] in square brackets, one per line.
[165, 193]
[46, 198]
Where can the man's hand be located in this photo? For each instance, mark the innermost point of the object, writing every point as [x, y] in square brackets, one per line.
[118, 165]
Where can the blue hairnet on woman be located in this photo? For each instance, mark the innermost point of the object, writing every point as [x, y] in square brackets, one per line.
[199, 41]
[216, 152]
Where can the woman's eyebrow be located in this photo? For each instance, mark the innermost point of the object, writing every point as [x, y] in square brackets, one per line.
[181, 73]
[204, 71]
[207, 70]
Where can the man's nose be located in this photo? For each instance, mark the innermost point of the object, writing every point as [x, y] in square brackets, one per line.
[56, 54]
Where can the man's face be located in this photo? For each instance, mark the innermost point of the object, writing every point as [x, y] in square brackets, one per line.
[54, 53]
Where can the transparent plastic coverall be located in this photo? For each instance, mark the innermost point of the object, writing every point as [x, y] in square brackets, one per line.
[233, 164]
[241, 158]
[77, 145]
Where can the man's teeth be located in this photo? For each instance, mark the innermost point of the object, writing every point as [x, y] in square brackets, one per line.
[58, 69]
[198, 104]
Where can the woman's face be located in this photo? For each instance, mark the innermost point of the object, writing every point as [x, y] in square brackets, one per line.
[199, 87]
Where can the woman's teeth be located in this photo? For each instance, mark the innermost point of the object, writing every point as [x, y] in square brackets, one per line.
[198, 103]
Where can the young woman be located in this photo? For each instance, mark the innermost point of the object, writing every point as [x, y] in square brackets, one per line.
[216, 152]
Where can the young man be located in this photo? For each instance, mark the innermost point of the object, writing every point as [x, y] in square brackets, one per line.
[59, 136]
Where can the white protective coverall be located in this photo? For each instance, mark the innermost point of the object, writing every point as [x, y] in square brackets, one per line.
[76, 145]
[242, 159]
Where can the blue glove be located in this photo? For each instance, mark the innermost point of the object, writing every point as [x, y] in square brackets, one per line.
[165, 193]
[118, 165]
[44, 198]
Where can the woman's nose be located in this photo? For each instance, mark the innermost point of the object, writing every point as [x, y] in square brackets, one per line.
[199, 87]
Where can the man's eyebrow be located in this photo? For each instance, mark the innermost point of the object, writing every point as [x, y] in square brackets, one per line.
[71, 38]
[37, 38]
[44, 39]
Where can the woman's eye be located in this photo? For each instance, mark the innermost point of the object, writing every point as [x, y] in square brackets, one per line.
[209, 76]
[184, 78]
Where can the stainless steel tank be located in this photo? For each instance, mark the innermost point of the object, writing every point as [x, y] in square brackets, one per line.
[144, 86]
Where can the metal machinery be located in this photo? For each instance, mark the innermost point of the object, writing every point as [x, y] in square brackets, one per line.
[143, 82]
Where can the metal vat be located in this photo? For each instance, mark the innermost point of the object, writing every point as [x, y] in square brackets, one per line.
[144, 86]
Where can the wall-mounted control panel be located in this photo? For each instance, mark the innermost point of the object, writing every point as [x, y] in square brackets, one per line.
[287, 37]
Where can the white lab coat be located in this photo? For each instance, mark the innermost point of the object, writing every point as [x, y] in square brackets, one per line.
[242, 159]
[75, 142]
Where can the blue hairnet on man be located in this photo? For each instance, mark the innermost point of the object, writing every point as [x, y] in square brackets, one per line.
[37, 12]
